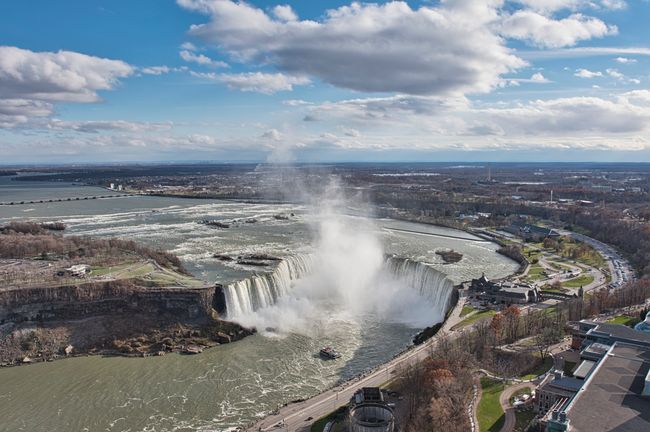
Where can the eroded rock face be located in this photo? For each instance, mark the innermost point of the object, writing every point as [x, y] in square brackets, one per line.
[112, 317]
[102, 298]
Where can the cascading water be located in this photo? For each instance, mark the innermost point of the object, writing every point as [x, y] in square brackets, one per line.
[261, 291]
[264, 290]
[430, 283]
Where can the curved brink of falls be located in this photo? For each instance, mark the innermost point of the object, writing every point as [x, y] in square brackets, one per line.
[263, 290]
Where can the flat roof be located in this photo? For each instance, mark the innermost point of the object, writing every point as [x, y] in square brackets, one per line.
[611, 398]
[621, 332]
[583, 369]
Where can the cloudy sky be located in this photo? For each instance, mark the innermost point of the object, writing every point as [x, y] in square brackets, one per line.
[221, 80]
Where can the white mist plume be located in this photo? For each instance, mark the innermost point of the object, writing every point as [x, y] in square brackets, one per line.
[349, 279]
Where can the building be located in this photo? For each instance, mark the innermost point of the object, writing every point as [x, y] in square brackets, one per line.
[370, 413]
[78, 270]
[555, 388]
[610, 387]
[530, 232]
[483, 289]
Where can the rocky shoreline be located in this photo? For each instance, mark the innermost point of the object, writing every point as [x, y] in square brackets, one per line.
[26, 343]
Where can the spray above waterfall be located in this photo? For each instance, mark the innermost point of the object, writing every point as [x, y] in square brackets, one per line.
[346, 277]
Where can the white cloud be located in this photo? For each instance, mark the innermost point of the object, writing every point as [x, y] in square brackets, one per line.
[155, 70]
[97, 126]
[542, 31]
[18, 111]
[624, 60]
[189, 46]
[586, 73]
[272, 134]
[548, 6]
[615, 74]
[201, 59]
[569, 116]
[62, 76]
[285, 13]
[450, 49]
[30, 82]
[267, 83]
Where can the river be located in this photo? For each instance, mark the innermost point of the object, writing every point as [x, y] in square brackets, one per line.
[231, 385]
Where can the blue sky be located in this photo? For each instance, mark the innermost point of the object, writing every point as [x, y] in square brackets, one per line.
[161, 80]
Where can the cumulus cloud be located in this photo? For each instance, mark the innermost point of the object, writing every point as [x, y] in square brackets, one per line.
[62, 76]
[266, 83]
[586, 73]
[285, 13]
[450, 49]
[30, 82]
[201, 59]
[542, 31]
[624, 60]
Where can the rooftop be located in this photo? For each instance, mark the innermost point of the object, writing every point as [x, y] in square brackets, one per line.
[611, 398]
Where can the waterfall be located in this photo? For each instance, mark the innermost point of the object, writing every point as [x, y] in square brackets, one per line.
[430, 283]
[264, 290]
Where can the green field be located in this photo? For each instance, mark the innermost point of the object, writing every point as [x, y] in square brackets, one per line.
[624, 319]
[466, 310]
[489, 413]
[147, 273]
[535, 273]
[474, 317]
[580, 281]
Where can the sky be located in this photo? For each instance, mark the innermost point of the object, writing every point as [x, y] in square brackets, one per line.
[324, 81]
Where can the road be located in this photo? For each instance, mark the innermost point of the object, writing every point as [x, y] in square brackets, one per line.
[294, 417]
[504, 400]
[619, 268]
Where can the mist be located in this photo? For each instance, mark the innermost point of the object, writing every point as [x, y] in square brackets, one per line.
[349, 280]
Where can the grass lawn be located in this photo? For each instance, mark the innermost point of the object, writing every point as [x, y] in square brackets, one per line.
[475, 317]
[540, 369]
[489, 412]
[580, 281]
[624, 319]
[466, 310]
[102, 271]
[535, 273]
[559, 266]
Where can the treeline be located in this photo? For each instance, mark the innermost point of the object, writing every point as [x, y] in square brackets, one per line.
[28, 240]
[631, 237]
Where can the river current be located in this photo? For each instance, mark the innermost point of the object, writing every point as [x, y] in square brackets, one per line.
[227, 386]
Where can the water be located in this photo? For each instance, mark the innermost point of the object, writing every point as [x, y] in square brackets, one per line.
[231, 385]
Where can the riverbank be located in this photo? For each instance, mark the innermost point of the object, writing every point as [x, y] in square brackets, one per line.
[122, 335]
